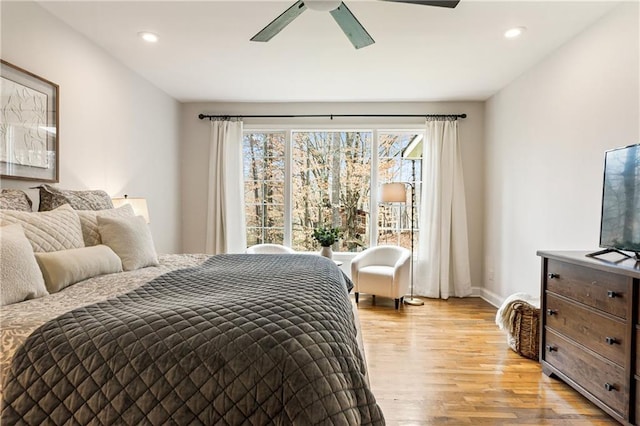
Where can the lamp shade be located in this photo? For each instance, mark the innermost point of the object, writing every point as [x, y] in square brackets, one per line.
[139, 205]
[393, 193]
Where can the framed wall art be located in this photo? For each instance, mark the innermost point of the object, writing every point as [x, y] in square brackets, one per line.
[28, 125]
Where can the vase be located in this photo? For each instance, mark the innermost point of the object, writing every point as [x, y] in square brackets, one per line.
[326, 252]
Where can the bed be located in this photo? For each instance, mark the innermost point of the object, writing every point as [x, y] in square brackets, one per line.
[192, 339]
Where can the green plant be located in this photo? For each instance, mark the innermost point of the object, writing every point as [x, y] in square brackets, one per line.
[326, 236]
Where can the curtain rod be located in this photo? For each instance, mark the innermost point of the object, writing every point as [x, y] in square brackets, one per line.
[331, 116]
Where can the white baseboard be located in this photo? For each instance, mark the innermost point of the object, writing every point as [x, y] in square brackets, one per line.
[476, 291]
[488, 296]
[491, 297]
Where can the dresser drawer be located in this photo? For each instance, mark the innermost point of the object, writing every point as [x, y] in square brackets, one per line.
[602, 379]
[637, 382]
[637, 355]
[602, 334]
[602, 290]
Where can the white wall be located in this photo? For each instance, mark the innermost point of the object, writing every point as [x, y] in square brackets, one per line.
[546, 134]
[195, 139]
[117, 131]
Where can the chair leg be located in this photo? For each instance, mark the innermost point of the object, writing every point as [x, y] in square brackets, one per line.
[397, 303]
[357, 294]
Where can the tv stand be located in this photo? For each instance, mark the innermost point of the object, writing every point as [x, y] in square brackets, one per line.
[610, 250]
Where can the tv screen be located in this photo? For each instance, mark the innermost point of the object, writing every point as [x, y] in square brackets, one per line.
[620, 220]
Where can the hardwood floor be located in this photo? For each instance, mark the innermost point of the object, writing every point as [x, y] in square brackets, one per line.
[448, 363]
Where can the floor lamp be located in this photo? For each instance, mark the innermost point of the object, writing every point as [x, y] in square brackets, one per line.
[396, 192]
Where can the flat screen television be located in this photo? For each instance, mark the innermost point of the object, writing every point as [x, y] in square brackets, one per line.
[620, 216]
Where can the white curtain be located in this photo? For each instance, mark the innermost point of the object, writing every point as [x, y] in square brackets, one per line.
[442, 267]
[225, 232]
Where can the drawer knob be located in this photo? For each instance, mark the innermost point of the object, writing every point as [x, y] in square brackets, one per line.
[609, 387]
[611, 340]
[553, 275]
[551, 312]
[552, 348]
[612, 294]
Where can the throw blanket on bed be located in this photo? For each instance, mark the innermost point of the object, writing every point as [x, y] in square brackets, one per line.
[242, 339]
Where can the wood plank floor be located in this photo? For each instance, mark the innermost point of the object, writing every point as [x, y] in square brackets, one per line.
[448, 363]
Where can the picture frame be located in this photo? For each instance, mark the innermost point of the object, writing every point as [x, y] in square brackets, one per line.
[29, 124]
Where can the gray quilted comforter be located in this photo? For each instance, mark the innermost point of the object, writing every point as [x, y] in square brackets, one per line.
[242, 339]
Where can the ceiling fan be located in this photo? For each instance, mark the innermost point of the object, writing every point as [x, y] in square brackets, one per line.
[354, 30]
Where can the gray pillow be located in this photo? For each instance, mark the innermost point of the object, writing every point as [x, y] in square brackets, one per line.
[52, 198]
[20, 277]
[14, 199]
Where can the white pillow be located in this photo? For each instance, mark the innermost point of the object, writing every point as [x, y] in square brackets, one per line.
[63, 268]
[20, 277]
[53, 230]
[89, 222]
[130, 238]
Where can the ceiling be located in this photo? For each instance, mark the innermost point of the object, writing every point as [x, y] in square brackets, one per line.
[421, 53]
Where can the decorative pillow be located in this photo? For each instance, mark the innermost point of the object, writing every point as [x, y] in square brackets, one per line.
[20, 277]
[56, 230]
[14, 199]
[52, 198]
[89, 222]
[63, 268]
[131, 239]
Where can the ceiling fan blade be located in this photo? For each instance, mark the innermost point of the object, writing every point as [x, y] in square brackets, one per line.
[354, 30]
[441, 3]
[275, 26]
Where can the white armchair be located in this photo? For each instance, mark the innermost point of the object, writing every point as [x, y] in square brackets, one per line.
[269, 249]
[382, 271]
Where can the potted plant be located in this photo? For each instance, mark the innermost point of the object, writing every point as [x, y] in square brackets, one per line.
[326, 236]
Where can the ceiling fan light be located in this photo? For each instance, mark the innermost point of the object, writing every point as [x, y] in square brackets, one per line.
[323, 5]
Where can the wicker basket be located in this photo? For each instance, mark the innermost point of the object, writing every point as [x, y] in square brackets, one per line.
[525, 339]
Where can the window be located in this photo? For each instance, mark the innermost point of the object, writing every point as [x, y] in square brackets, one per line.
[400, 160]
[264, 167]
[331, 181]
[298, 180]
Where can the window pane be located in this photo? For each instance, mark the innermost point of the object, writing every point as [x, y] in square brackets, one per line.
[263, 168]
[262, 236]
[399, 160]
[253, 214]
[331, 180]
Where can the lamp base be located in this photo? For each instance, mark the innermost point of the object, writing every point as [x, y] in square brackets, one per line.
[413, 301]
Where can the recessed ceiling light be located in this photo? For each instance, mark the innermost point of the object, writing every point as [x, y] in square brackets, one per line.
[147, 36]
[514, 32]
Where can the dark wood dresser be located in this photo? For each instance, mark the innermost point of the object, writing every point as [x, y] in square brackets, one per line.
[590, 331]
